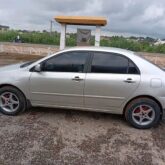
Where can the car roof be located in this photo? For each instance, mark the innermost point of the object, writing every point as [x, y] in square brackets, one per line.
[104, 49]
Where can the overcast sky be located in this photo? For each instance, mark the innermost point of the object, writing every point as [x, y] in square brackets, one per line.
[143, 17]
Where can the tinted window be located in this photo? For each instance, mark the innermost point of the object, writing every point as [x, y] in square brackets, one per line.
[132, 68]
[109, 63]
[67, 62]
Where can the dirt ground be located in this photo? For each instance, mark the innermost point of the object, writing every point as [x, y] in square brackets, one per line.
[42, 136]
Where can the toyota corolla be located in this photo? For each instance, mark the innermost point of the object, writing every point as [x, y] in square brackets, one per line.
[101, 79]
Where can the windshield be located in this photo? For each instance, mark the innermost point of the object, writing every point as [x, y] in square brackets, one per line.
[27, 64]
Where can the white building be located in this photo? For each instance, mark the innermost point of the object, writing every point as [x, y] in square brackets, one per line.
[159, 42]
[4, 28]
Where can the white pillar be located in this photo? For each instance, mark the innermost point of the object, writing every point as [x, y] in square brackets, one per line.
[63, 36]
[97, 36]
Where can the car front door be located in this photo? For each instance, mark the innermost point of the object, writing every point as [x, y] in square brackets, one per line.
[112, 78]
[61, 80]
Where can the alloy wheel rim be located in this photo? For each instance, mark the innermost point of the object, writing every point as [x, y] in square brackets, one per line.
[143, 114]
[9, 102]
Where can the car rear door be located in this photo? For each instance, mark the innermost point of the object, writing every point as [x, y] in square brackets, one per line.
[111, 79]
[61, 81]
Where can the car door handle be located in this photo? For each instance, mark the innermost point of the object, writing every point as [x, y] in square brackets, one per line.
[77, 78]
[129, 80]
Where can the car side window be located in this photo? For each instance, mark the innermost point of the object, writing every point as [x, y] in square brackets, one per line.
[112, 63]
[132, 68]
[66, 62]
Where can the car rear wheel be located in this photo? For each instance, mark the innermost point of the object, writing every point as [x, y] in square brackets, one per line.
[12, 101]
[143, 113]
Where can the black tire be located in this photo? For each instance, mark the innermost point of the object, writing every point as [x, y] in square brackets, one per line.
[20, 98]
[133, 106]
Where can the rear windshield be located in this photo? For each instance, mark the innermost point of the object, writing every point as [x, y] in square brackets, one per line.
[139, 55]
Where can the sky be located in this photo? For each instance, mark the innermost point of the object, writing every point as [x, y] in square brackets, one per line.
[135, 17]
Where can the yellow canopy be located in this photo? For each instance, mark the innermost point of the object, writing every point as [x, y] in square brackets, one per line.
[81, 20]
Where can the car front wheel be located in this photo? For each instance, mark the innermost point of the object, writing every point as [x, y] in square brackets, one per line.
[143, 113]
[12, 101]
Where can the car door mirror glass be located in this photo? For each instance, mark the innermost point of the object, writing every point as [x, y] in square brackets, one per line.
[37, 68]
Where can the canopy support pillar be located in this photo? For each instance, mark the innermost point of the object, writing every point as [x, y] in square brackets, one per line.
[97, 36]
[63, 36]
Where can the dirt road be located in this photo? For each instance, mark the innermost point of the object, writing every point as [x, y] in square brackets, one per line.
[56, 137]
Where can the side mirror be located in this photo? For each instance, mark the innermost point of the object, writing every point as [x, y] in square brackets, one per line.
[37, 68]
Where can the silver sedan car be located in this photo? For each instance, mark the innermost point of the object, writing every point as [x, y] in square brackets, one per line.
[100, 79]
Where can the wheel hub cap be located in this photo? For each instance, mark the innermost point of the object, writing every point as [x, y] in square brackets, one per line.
[143, 114]
[9, 102]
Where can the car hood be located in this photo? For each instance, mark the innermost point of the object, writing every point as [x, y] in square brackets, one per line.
[10, 67]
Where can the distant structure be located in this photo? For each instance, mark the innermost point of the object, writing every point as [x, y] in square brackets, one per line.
[80, 20]
[4, 28]
[83, 37]
[159, 42]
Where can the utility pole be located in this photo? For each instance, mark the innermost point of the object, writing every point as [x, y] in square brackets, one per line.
[51, 25]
